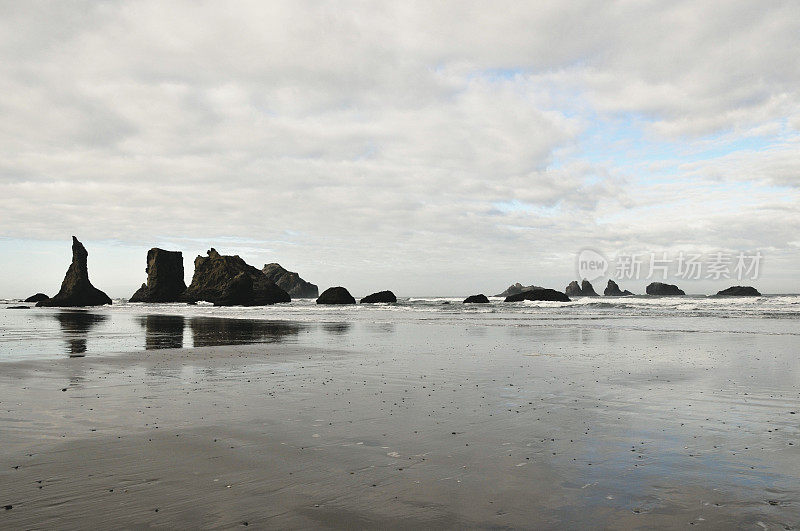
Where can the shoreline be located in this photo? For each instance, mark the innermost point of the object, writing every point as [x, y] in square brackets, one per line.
[329, 437]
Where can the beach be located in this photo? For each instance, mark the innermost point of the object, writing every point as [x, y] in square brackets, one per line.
[448, 421]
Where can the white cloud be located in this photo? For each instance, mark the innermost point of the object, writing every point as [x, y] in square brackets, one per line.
[345, 132]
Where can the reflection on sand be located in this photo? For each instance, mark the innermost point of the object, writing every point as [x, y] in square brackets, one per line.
[213, 331]
[336, 328]
[167, 331]
[163, 331]
[75, 324]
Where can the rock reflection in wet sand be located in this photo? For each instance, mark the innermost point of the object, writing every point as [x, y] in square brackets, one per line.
[75, 325]
[212, 331]
[163, 331]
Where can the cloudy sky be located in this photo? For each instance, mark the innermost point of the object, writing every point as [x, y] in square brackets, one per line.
[427, 148]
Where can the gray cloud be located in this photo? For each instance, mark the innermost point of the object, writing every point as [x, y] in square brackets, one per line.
[438, 138]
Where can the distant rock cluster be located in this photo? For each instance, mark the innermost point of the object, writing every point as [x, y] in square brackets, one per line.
[228, 280]
[516, 289]
[290, 282]
[585, 289]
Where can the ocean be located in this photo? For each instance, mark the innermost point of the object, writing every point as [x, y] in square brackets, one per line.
[39, 333]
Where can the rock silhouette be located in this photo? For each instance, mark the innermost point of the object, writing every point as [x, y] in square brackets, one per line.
[238, 292]
[585, 289]
[516, 289]
[213, 281]
[164, 277]
[476, 299]
[612, 290]
[543, 294]
[381, 296]
[76, 290]
[336, 295]
[290, 282]
[659, 288]
[588, 289]
[37, 298]
[739, 291]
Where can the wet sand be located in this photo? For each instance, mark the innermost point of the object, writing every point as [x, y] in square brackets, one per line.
[559, 428]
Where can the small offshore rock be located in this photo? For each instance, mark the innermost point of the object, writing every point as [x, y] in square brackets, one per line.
[739, 291]
[381, 296]
[612, 290]
[659, 288]
[336, 295]
[543, 294]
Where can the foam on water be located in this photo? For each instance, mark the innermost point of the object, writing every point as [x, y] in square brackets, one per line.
[42, 332]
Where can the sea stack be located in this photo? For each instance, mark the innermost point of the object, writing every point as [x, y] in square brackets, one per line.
[76, 290]
[164, 277]
[612, 290]
[290, 282]
[336, 295]
[739, 291]
[659, 288]
[217, 279]
[585, 289]
[542, 294]
[381, 296]
[516, 289]
[476, 299]
[39, 297]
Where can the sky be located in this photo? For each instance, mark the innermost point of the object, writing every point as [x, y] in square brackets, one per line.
[430, 148]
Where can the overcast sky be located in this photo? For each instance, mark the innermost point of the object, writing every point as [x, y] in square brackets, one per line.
[427, 148]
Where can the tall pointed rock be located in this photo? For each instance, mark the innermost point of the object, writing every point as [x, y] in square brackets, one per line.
[76, 290]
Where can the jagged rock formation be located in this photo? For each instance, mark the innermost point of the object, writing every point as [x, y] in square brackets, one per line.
[76, 290]
[476, 299]
[381, 296]
[238, 292]
[164, 277]
[290, 282]
[739, 291]
[37, 298]
[588, 289]
[542, 294]
[659, 288]
[612, 290]
[516, 289]
[217, 278]
[585, 289]
[573, 289]
[336, 295]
